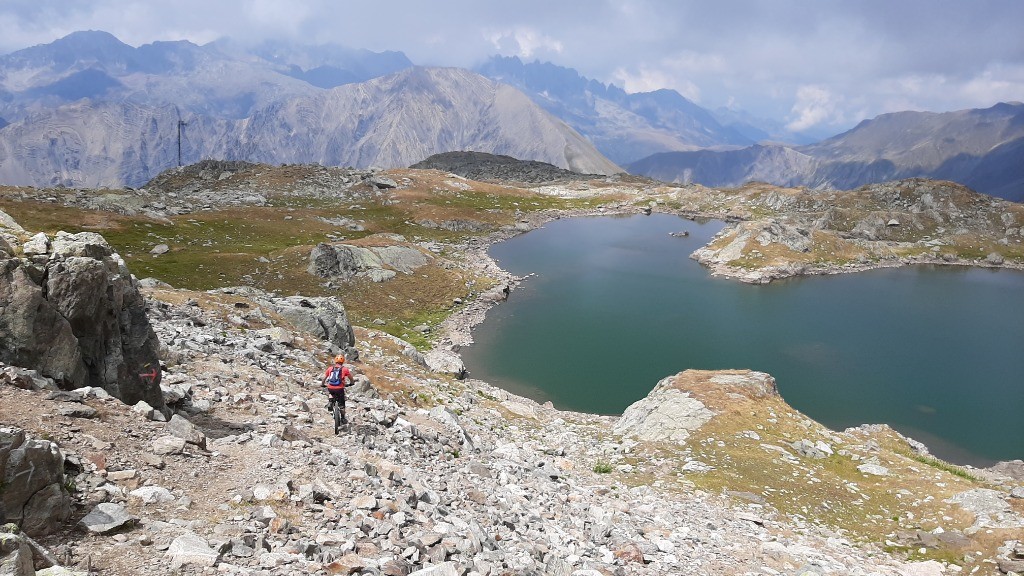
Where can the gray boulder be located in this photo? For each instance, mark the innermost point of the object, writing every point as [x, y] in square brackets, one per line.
[15, 556]
[445, 362]
[182, 428]
[190, 549]
[665, 414]
[32, 478]
[324, 318]
[670, 412]
[107, 517]
[379, 263]
[383, 182]
[79, 319]
[25, 379]
[792, 237]
[8, 223]
[811, 449]
[1010, 468]
[37, 245]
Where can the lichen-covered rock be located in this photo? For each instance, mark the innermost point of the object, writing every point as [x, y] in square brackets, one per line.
[15, 556]
[78, 317]
[664, 414]
[8, 223]
[445, 362]
[106, 517]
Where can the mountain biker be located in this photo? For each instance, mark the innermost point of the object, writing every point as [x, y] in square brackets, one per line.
[334, 381]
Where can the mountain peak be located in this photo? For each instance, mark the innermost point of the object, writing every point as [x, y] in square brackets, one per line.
[76, 50]
[90, 37]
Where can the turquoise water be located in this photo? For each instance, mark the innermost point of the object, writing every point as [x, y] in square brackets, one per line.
[616, 305]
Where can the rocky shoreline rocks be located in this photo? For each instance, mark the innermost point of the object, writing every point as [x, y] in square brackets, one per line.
[894, 224]
[765, 275]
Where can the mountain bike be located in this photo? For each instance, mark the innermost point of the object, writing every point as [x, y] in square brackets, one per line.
[339, 415]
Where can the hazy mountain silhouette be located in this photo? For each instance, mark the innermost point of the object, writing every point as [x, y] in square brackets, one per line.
[981, 148]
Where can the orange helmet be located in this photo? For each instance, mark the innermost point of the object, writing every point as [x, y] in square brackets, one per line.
[339, 359]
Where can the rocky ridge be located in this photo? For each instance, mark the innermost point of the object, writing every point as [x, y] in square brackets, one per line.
[484, 167]
[380, 122]
[979, 148]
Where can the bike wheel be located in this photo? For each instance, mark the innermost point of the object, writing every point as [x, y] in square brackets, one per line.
[337, 418]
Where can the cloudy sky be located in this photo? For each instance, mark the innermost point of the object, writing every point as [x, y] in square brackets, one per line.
[812, 64]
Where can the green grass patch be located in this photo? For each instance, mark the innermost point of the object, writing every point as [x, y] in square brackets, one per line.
[476, 200]
[944, 466]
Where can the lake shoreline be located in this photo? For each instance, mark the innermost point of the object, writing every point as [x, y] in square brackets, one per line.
[768, 274]
[456, 331]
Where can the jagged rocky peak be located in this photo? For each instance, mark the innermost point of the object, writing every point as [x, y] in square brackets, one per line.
[70, 309]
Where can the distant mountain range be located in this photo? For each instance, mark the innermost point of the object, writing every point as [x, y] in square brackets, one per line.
[624, 127]
[982, 149]
[89, 110]
[627, 127]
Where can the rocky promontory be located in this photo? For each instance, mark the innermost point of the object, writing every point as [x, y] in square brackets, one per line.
[779, 233]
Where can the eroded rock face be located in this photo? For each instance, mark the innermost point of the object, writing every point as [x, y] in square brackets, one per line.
[75, 314]
[32, 477]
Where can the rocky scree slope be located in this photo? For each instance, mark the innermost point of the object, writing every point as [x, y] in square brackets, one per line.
[434, 476]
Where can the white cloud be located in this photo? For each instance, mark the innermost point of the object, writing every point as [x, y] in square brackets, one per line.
[679, 71]
[814, 105]
[647, 79]
[997, 83]
[523, 42]
[778, 60]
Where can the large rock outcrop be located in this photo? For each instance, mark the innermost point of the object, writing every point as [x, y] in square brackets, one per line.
[378, 263]
[32, 492]
[70, 309]
[324, 318]
[670, 412]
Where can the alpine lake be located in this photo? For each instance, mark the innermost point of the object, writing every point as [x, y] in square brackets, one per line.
[615, 304]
